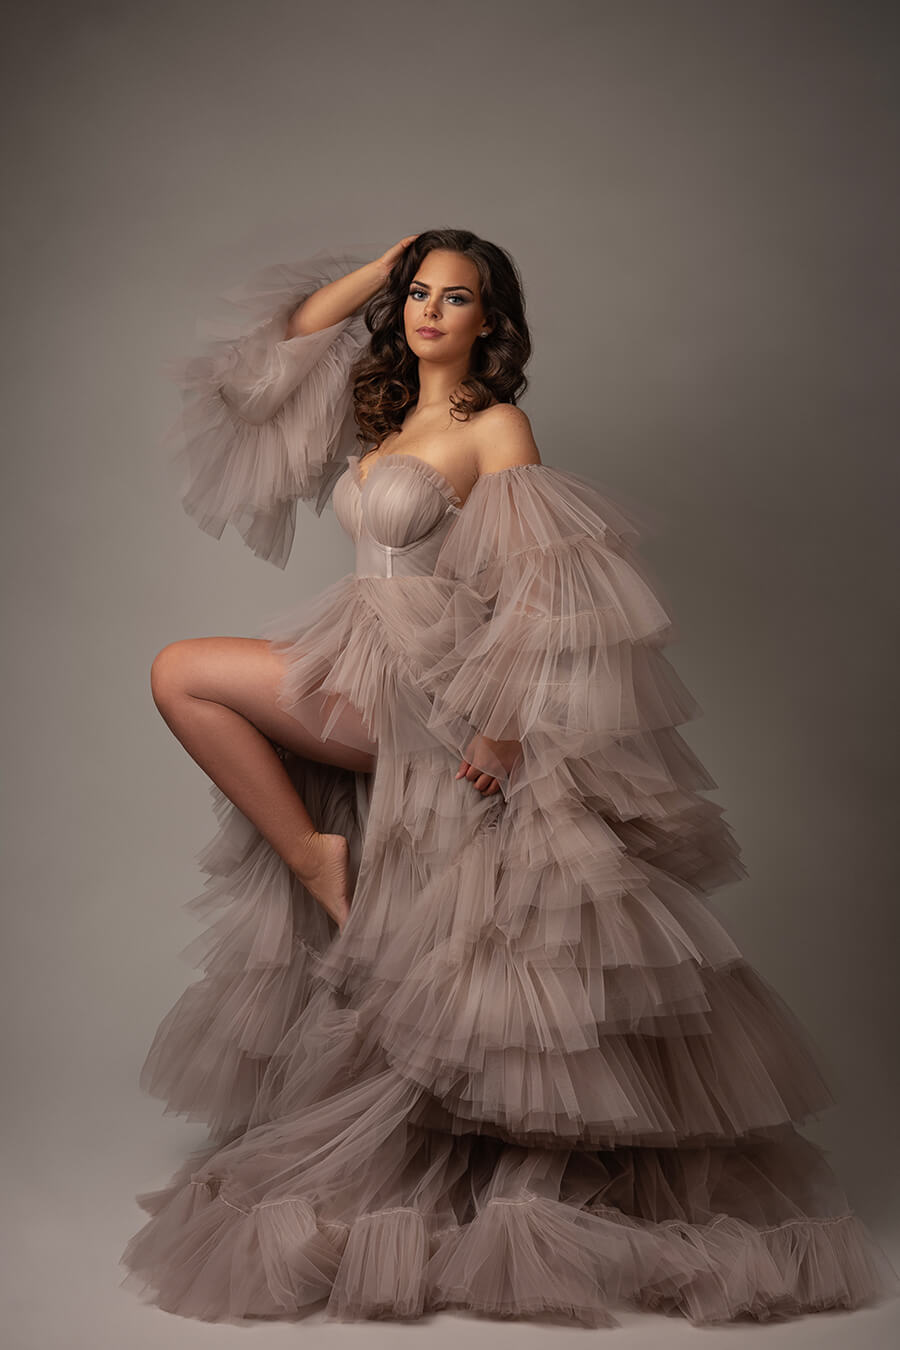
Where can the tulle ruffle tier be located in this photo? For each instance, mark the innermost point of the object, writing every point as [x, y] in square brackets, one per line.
[350, 1203]
[257, 959]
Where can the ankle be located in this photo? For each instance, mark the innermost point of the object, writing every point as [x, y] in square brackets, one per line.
[305, 854]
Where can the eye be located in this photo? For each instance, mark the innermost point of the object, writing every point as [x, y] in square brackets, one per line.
[416, 291]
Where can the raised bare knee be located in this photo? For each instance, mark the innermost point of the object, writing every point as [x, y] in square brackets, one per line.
[169, 673]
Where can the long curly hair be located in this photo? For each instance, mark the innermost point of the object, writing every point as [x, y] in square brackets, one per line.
[386, 377]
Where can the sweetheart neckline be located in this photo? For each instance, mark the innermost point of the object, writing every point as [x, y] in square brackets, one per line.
[450, 492]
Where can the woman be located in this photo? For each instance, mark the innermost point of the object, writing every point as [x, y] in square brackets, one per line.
[468, 1032]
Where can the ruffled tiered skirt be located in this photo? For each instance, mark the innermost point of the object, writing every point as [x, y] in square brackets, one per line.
[533, 1073]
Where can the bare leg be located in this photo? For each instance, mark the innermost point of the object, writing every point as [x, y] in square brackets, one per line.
[218, 696]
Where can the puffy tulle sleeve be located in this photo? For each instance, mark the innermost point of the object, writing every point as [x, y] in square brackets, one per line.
[266, 420]
[558, 637]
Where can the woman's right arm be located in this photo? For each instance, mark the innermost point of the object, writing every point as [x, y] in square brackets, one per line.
[339, 299]
[336, 300]
[267, 414]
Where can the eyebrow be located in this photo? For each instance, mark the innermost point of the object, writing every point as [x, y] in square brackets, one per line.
[425, 287]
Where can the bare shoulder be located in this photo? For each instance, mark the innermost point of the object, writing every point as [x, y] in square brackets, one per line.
[504, 438]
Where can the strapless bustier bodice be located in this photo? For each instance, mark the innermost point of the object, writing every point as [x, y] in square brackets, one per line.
[397, 513]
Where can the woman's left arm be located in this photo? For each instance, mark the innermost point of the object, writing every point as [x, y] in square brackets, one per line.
[505, 438]
[555, 632]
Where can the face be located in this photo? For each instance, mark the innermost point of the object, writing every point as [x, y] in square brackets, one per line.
[444, 294]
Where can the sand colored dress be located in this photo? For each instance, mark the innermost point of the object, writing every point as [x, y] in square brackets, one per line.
[534, 1073]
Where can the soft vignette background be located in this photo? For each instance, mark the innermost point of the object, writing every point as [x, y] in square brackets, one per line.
[702, 199]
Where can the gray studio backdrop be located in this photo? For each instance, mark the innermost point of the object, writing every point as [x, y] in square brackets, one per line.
[702, 199]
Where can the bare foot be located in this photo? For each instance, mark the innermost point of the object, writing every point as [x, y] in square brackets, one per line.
[324, 872]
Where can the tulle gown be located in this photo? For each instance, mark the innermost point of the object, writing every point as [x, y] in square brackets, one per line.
[533, 1074]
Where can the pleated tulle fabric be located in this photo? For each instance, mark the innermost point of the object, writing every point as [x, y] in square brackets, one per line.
[533, 1074]
[266, 420]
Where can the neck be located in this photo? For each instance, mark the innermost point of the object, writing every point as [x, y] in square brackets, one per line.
[437, 382]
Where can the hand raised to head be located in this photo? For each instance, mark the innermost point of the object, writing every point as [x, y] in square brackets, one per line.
[393, 254]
